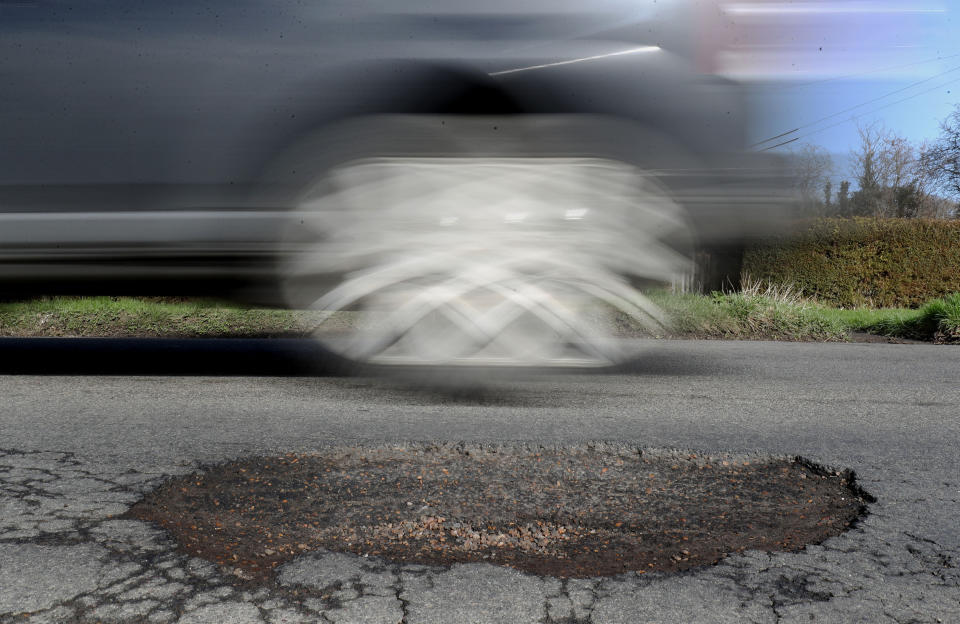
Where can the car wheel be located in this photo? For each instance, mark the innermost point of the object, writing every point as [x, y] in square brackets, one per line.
[484, 241]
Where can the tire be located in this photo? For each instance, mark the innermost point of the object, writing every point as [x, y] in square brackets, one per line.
[484, 241]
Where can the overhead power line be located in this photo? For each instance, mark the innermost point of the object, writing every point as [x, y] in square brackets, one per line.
[867, 103]
[775, 137]
[779, 144]
[888, 105]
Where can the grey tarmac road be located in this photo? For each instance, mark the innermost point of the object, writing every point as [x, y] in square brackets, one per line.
[78, 450]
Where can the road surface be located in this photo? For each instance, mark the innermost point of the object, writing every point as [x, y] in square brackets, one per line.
[78, 449]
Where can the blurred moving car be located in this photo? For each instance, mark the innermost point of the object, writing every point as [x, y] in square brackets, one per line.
[488, 184]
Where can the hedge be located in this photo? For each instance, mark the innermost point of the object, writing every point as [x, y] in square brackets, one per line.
[864, 261]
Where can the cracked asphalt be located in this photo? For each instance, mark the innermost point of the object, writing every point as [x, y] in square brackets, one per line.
[78, 450]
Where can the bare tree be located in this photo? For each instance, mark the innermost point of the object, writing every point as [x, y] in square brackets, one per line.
[867, 166]
[812, 165]
[899, 196]
[890, 172]
[927, 185]
[941, 160]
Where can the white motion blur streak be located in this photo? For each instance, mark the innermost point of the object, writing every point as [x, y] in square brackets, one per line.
[820, 7]
[483, 261]
[580, 60]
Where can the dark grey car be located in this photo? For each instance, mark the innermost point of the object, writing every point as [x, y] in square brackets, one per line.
[485, 175]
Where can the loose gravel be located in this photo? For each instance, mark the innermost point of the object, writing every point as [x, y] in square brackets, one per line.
[569, 512]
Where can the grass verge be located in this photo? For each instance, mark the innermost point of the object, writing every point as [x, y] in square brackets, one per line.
[742, 316]
[753, 313]
[136, 317]
[937, 320]
[786, 316]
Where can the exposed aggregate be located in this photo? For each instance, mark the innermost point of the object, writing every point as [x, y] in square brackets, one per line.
[567, 512]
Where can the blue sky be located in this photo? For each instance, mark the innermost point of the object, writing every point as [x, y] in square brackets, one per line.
[898, 67]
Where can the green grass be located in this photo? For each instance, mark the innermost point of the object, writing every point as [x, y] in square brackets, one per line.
[945, 312]
[883, 321]
[937, 320]
[787, 316]
[747, 316]
[128, 316]
[755, 312]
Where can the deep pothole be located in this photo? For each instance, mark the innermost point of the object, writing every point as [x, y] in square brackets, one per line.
[582, 511]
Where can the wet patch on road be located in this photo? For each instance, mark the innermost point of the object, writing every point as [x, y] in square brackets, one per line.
[569, 512]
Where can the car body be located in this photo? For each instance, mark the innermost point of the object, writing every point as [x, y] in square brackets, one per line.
[165, 148]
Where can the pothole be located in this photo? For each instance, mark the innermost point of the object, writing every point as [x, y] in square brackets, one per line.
[579, 511]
